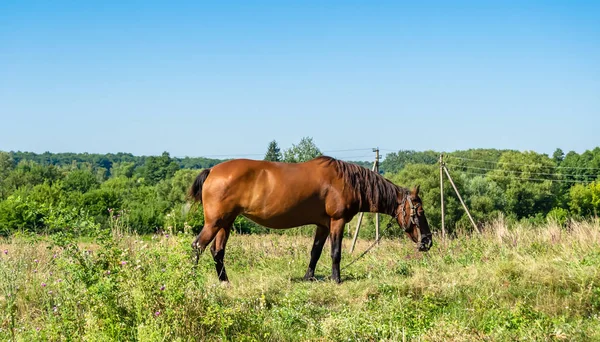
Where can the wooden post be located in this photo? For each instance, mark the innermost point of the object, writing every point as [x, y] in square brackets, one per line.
[461, 200]
[360, 215]
[442, 195]
[376, 169]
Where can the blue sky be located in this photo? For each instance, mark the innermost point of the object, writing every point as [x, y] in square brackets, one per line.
[225, 78]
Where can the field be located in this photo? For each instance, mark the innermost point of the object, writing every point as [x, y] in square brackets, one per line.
[517, 283]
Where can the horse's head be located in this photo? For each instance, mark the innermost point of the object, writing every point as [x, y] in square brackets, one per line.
[411, 217]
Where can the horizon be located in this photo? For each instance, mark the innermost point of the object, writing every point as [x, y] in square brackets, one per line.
[198, 79]
[332, 153]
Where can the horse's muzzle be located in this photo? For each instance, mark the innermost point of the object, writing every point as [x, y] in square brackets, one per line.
[426, 243]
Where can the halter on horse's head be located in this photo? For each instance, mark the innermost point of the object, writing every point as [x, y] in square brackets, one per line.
[411, 217]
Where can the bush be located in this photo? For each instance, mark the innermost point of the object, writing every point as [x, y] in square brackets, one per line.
[99, 201]
[559, 215]
[80, 180]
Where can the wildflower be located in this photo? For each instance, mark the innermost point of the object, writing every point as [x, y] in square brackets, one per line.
[123, 262]
[59, 280]
[38, 329]
[54, 256]
[6, 252]
[50, 292]
[34, 271]
[162, 288]
[108, 272]
[43, 284]
[167, 236]
[36, 261]
[55, 309]
[157, 313]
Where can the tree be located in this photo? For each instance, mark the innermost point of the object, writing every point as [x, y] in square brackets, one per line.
[273, 152]
[159, 168]
[585, 199]
[80, 180]
[6, 165]
[558, 156]
[394, 162]
[484, 198]
[304, 151]
[526, 178]
[122, 169]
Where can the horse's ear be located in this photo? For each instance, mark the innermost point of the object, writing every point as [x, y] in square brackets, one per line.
[415, 191]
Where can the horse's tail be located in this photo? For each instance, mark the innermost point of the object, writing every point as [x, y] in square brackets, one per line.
[196, 189]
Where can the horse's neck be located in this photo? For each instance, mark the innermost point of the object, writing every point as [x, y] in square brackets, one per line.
[381, 205]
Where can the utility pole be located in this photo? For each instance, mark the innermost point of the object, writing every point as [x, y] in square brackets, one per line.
[360, 215]
[376, 169]
[442, 195]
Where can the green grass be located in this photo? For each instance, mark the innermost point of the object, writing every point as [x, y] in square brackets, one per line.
[508, 284]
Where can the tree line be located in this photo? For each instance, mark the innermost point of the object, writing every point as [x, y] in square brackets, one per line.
[54, 192]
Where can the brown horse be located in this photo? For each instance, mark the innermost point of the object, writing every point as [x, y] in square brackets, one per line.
[324, 191]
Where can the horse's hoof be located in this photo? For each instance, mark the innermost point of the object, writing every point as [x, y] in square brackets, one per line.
[310, 278]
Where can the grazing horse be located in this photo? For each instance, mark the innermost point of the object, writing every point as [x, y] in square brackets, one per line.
[323, 191]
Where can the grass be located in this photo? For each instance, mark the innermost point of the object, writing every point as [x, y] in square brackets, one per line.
[510, 283]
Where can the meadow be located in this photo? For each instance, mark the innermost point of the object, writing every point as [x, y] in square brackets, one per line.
[510, 283]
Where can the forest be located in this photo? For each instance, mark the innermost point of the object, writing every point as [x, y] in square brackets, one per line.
[53, 192]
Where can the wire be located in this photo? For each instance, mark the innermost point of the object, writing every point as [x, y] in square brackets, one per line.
[232, 155]
[349, 150]
[363, 156]
[521, 164]
[521, 172]
[262, 154]
[526, 179]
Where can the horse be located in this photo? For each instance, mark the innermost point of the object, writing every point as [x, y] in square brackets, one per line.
[323, 191]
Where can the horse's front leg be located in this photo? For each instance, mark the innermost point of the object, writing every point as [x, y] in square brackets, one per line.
[336, 235]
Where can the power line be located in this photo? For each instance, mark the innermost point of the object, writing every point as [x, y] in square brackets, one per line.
[521, 172]
[231, 155]
[262, 154]
[363, 156]
[349, 150]
[521, 164]
[525, 179]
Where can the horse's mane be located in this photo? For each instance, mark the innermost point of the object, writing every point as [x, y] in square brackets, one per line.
[380, 193]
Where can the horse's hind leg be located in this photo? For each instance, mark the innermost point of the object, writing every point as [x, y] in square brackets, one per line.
[320, 238]
[218, 252]
[217, 230]
[207, 234]
[210, 230]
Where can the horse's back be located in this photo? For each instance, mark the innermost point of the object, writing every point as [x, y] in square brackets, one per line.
[264, 178]
[271, 193]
